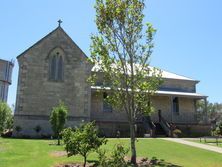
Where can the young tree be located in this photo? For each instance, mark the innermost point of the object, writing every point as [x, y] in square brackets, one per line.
[5, 117]
[121, 52]
[217, 131]
[58, 118]
[82, 140]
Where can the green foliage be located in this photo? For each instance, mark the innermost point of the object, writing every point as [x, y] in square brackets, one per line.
[82, 140]
[103, 159]
[6, 118]
[217, 131]
[121, 52]
[214, 110]
[116, 159]
[177, 132]
[58, 118]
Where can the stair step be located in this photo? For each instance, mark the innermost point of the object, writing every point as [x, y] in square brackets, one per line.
[159, 131]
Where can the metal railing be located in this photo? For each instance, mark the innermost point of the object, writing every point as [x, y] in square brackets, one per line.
[166, 126]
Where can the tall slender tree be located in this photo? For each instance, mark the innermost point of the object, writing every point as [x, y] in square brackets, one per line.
[58, 119]
[121, 52]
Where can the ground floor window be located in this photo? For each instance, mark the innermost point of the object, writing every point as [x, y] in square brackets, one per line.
[176, 105]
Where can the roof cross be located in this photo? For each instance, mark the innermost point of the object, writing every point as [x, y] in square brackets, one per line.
[60, 22]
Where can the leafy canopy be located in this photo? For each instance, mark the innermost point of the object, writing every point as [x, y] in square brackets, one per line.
[82, 140]
[121, 52]
[6, 117]
[58, 118]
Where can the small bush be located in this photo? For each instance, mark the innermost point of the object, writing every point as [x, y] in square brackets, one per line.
[82, 140]
[177, 133]
[116, 159]
[103, 159]
[58, 118]
[7, 133]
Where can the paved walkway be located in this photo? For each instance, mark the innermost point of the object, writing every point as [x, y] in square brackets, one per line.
[199, 145]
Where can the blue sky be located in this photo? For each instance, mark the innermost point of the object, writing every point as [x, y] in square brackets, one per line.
[188, 39]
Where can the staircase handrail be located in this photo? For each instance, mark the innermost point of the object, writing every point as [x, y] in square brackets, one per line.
[166, 126]
[152, 127]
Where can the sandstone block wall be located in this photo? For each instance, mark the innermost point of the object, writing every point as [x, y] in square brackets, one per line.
[37, 95]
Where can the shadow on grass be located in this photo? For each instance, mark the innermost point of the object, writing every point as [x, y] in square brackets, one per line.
[161, 162]
[149, 163]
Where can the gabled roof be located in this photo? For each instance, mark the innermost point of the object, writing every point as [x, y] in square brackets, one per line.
[59, 28]
[170, 75]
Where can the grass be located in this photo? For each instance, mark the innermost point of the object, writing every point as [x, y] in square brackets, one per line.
[211, 142]
[37, 153]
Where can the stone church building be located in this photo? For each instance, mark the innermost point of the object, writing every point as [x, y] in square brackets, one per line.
[55, 69]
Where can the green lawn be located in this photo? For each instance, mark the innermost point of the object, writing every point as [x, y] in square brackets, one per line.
[211, 142]
[37, 153]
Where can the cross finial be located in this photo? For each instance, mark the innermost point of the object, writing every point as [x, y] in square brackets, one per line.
[59, 21]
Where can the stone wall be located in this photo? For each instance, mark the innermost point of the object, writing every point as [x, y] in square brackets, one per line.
[195, 130]
[29, 123]
[164, 103]
[187, 111]
[37, 95]
[98, 114]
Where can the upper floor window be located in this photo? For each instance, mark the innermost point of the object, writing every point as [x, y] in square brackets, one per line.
[176, 105]
[56, 65]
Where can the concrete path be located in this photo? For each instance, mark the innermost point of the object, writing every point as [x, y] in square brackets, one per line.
[199, 145]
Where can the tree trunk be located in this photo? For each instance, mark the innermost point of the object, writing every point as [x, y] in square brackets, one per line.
[58, 139]
[84, 161]
[133, 145]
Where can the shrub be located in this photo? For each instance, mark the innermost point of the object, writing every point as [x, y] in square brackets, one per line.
[103, 159]
[116, 158]
[177, 133]
[6, 119]
[82, 140]
[7, 133]
[58, 118]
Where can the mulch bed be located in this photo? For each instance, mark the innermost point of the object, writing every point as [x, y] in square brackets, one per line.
[73, 165]
[142, 162]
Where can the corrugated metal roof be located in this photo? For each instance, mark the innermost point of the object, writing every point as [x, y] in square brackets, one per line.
[181, 94]
[165, 74]
[163, 93]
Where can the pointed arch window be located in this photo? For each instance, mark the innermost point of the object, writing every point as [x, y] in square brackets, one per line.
[56, 66]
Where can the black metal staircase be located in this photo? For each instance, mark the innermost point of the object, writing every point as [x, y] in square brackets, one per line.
[149, 126]
[159, 129]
